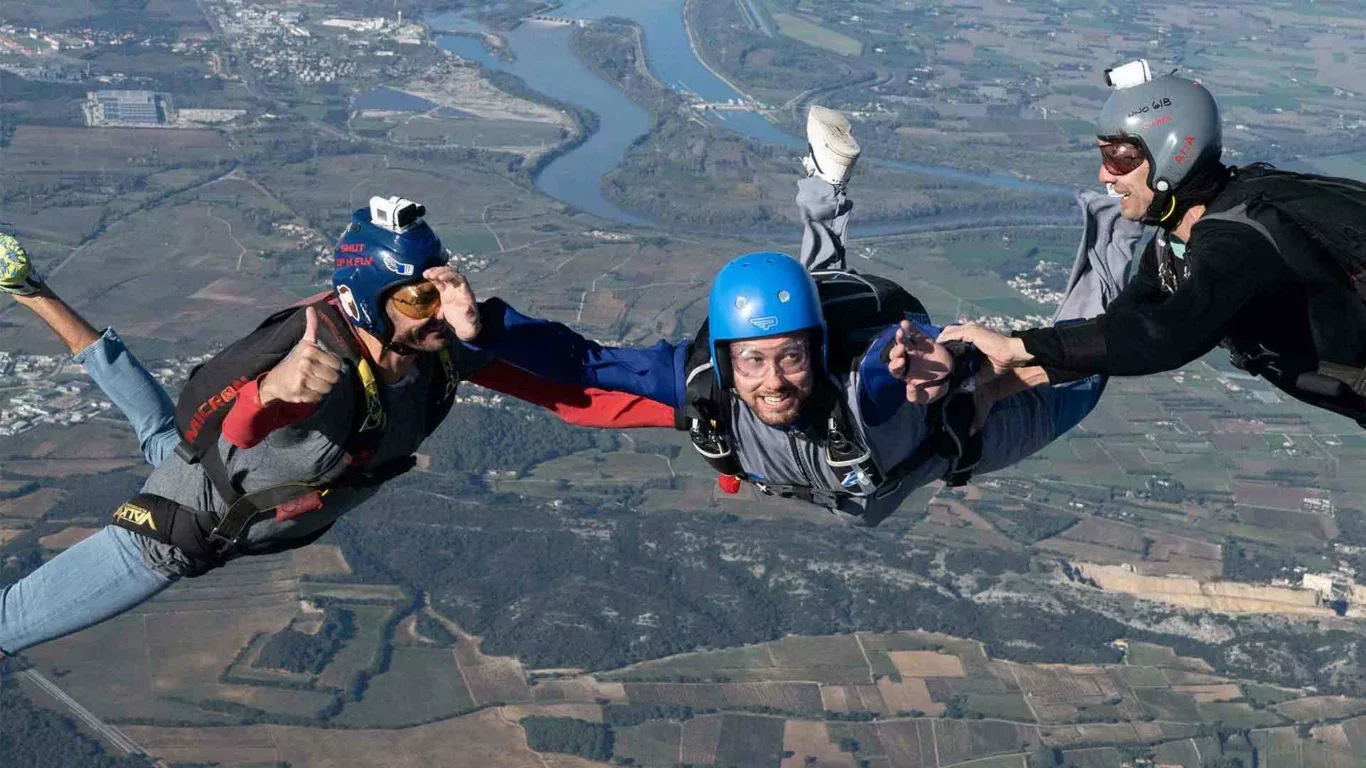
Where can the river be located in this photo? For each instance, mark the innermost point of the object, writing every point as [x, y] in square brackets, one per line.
[543, 59]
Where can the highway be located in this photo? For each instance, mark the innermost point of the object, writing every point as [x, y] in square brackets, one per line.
[112, 735]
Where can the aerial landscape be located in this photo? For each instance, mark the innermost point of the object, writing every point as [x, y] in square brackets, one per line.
[1179, 580]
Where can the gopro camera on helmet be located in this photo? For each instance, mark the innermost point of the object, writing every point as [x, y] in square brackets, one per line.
[1128, 75]
[395, 213]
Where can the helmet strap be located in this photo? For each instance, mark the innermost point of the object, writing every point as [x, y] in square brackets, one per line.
[1161, 211]
[401, 349]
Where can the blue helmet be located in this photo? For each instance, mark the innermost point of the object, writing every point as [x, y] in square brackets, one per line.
[758, 295]
[371, 261]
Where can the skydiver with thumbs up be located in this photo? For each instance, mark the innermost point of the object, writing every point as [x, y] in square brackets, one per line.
[283, 431]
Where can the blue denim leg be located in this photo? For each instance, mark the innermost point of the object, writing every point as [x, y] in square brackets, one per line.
[1069, 403]
[1024, 423]
[125, 381]
[98, 579]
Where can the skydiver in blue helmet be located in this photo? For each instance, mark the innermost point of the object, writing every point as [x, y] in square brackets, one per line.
[816, 383]
[284, 431]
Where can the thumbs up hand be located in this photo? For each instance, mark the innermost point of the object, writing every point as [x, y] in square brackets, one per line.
[306, 374]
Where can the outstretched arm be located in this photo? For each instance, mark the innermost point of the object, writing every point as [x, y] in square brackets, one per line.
[554, 351]
[582, 406]
[1145, 333]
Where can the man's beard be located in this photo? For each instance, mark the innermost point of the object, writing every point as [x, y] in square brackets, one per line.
[794, 399]
[428, 337]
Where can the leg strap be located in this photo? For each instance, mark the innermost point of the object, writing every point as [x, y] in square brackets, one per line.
[169, 522]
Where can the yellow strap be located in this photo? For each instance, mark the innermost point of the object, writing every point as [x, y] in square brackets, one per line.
[447, 363]
[374, 406]
[452, 377]
[1170, 209]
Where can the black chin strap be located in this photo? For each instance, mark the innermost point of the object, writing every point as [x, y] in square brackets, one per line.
[1162, 211]
[401, 349]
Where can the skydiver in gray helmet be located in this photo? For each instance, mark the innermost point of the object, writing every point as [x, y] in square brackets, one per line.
[1270, 264]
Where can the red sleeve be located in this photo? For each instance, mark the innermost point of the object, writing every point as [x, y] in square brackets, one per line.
[583, 406]
[249, 422]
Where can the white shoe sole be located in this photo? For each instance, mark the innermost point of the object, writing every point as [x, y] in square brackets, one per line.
[833, 148]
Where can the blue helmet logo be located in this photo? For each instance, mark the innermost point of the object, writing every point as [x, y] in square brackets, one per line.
[396, 266]
[758, 295]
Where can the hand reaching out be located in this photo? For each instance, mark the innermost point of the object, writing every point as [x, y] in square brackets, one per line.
[1003, 351]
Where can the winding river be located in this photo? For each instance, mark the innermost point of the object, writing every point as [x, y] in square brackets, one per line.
[543, 59]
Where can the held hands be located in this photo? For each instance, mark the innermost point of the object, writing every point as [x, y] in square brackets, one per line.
[996, 384]
[306, 374]
[920, 363]
[1003, 351]
[457, 301]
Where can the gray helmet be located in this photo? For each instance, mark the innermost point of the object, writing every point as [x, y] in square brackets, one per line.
[1175, 121]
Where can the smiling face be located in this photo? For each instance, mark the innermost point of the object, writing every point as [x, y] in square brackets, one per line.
[1124, 168]
[773, 376]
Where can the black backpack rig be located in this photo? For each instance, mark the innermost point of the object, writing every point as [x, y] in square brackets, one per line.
[1311, 221]
[207, 398]
[857, 308]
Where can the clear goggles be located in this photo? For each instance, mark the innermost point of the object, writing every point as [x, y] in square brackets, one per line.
[788, 360]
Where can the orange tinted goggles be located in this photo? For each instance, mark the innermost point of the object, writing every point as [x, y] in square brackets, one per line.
[418, 301]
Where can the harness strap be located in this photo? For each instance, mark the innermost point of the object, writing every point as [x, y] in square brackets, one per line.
[168, 522]
[192, 532]
[818, 496]
[956, 439]
[1333, 387]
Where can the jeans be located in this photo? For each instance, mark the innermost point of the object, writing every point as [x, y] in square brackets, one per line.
[104, 575]
[1027, 422]
[127, 384]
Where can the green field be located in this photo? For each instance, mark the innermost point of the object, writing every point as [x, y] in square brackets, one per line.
[1166, 705]
[1237, 715]
[750, 740]
[361, 650]
[961, 740]
[1010, 706]
[811, 33]
[289, 703]
[1268, 694]
[1100, 757]
[1182, 752]
[649, 744]
[1142, 677]
[734, 663]
[421, 684]
[483, 134]
[1147, 655]
[1281, 747]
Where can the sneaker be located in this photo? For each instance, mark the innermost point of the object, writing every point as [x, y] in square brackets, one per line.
[830, 140]
[17, 273]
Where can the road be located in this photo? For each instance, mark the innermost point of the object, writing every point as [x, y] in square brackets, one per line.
[110, 734]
